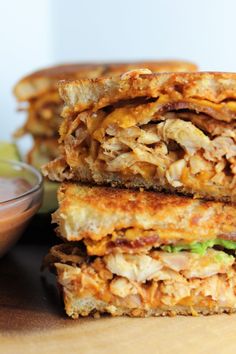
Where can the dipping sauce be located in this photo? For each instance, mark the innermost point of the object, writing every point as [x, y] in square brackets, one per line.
[20, 198]
[13, 187]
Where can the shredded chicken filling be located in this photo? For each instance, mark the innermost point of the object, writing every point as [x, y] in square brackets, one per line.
[154, 280]
[179, 147]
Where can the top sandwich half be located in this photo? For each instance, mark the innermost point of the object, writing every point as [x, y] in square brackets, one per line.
[171, 131]
[39, 89]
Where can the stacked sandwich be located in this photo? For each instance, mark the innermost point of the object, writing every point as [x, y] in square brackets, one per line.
[43, 103]
[148, 165]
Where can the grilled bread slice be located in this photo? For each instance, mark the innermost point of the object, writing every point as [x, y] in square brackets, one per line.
[42, 81]
[109, 219]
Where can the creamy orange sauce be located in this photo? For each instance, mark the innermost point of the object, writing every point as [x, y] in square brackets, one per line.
[15, 213]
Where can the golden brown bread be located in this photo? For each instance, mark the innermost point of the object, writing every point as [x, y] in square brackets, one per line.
[90, 306]
[44, 80]
[155, 66]
[214, 87]
[155, 284]
[109, 219]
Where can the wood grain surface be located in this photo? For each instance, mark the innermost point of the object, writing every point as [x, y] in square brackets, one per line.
[32, 320]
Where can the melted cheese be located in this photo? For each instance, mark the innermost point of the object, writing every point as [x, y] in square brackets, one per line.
[130, 115]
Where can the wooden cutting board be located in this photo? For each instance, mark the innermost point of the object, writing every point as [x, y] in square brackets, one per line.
[32, 320]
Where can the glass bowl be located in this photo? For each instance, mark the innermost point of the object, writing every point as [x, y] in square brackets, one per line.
[21, 190]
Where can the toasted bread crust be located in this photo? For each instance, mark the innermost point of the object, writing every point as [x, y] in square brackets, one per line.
[155, 66]
[44, 80]
[89, 306]
[93, 212]
[94, 94]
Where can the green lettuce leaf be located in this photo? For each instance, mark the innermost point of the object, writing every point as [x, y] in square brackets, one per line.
[200, 247]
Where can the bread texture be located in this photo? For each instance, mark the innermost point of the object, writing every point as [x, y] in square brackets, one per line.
[42, 81]
[90, 306]
[134, 221]
[45, 80]
[94, 94]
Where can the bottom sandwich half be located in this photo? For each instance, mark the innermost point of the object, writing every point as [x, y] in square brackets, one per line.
[141, 253]
[158, 283]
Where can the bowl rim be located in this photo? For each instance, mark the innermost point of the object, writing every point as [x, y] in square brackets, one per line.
[29, 168]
